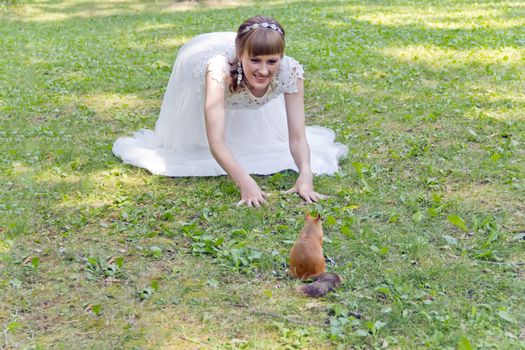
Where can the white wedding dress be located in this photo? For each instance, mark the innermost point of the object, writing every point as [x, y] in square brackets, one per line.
[256, 127]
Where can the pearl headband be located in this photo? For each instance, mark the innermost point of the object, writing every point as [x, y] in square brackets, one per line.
[262, 25]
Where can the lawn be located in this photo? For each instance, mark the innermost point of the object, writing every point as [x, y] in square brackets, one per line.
[425, 220]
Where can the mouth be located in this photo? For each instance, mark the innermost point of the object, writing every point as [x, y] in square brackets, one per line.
[260, 79]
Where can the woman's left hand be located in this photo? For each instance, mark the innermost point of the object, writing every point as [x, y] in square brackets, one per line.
[304, 187]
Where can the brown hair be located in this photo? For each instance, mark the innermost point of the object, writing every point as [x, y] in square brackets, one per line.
[256, 42]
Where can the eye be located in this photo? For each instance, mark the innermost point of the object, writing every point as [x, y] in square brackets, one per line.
[254, 60]
[272, 61]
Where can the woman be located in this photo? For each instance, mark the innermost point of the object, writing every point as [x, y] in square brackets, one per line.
[234, 105]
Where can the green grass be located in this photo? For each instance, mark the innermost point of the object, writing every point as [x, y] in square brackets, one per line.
[425, 221]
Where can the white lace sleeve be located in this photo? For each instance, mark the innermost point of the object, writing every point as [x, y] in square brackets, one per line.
[291, 70]
[219, 68]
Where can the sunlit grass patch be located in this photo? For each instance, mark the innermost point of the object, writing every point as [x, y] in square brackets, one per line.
[60, 11]
[207, 5]
[447, 15]
[4, 246]
[105, 105]
[173, 42]
[437, 57]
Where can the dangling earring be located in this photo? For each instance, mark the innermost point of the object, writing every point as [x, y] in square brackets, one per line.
[239, 74]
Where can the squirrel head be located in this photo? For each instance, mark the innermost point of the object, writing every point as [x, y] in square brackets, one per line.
[313, 218]
[313, 227]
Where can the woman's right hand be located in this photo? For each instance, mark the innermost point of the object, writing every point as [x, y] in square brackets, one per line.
[251, 194]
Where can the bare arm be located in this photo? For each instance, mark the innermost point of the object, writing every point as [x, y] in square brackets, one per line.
[299, 145]
[214, 111]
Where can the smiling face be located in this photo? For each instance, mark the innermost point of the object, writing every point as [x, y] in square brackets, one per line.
[259, 71]
[260, 50]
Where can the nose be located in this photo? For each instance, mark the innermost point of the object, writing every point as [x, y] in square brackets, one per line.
[263, 70]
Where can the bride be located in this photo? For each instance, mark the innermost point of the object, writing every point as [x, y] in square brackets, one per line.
[234, 105]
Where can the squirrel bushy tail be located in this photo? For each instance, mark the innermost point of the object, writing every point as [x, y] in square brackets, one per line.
[322, 284]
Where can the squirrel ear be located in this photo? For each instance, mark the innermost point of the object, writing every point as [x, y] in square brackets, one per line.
[309, 216]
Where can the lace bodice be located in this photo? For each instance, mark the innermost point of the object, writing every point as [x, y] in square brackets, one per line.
[284, 81]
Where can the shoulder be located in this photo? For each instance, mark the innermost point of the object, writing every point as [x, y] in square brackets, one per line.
[218, 69]
[290, 69]
[218, 62]
[206, 55]
[289, 63]
[289, 72]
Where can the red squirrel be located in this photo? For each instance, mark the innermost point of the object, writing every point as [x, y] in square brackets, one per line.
[307, 260]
